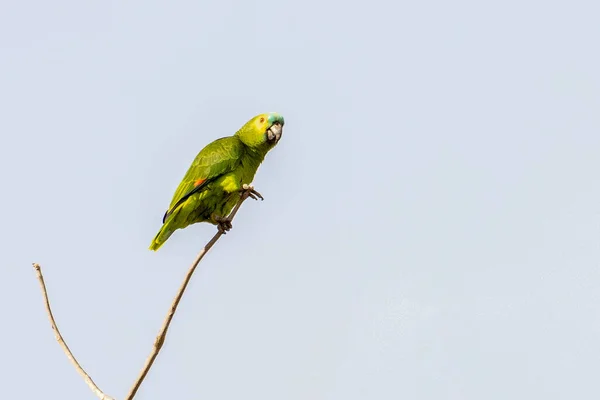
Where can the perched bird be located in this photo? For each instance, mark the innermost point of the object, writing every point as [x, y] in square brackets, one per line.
[211, 187]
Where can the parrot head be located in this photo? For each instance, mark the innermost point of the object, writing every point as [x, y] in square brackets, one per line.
[262, 130]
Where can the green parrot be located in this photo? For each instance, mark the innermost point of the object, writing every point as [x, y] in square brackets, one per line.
[211, 187]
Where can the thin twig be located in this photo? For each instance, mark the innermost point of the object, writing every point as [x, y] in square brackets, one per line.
[160, 339]
[62, 342]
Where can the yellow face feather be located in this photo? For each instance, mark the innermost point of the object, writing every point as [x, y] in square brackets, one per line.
[260, 123]
[262, 129]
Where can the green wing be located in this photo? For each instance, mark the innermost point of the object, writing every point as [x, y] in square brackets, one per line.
[215, 160]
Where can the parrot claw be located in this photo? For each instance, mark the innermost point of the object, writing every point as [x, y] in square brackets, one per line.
[248, 191]
[224, 224]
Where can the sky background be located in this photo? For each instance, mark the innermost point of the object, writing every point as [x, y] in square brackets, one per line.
[431, 220]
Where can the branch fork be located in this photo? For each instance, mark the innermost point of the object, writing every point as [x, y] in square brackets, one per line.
[246, 192]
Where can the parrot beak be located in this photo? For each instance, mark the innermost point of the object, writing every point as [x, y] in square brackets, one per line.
[274, 133]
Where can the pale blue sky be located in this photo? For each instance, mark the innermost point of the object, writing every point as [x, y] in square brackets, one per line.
[431, 220]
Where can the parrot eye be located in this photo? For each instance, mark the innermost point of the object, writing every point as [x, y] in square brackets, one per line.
[262, 119]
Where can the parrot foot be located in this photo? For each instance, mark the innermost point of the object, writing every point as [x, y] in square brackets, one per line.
[223, 223]
[248, 191]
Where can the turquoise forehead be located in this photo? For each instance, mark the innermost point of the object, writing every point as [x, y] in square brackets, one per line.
[275, 117]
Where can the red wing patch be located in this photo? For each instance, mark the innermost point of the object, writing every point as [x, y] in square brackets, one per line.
[199, 182]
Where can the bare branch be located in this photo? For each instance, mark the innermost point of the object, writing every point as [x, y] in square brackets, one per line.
[160, 339]
[248, 191]
[62, 342]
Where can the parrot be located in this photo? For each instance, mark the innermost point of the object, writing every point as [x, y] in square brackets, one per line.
[221, 170]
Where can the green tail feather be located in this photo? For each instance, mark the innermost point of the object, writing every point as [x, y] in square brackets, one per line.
[161, 237]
